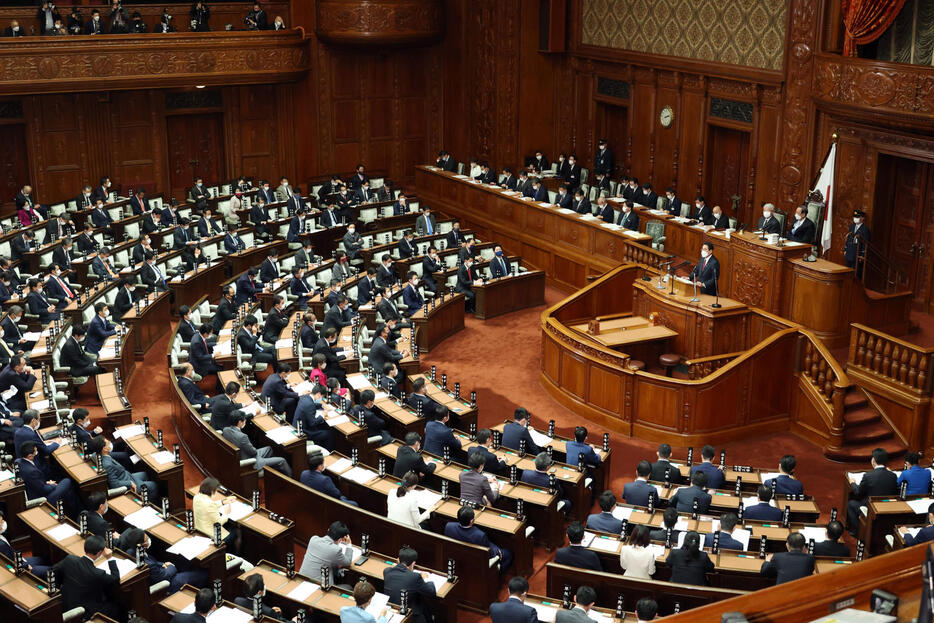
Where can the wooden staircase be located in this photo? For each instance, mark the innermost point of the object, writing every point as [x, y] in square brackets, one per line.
[864, 430]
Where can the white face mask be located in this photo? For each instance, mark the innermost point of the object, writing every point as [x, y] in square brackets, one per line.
[799, 217]
[857, 220]
[3, 527]
[717, 215]
[704, 253]
[626, 209]
[351, 230]
[697, 205]
[415, 282]
[766, 214]
[87, 424]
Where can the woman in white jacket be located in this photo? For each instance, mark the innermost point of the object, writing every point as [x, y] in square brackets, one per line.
[403, 503]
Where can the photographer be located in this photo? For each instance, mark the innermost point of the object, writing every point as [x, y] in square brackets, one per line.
[137, 25]
[165, 24]
[47, 15]
[199, 17]
[256, 19]
[119, 22]
[75, 21]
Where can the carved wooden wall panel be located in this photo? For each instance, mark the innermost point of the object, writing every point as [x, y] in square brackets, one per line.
[380, 22]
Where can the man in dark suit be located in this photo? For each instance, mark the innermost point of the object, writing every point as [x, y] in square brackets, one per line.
[100, 216]
[62, 255]
[669, 520]
[37, 483]
[201, 352]
[84, 585]
[139, 203]
[12, 334]
[329, 188]
[344, 200]
[493, 464]
[574, 555]
[684, 498]
[282, 398]
[572, 174]
[538, 191]
[464, 530]
[649, 198]
[340, 315]
[409, 457]
[381, 352]
[299, 287]
[768, 224]
[876, 482]
[248, 341]
[170, 214]
[363, 193]
[832, 546]
[97, 506]
[259, 217]
[603, 160]
[29, 431]
[141, 248]
[802, 230]
[325, 346]
[604, 521]
[785, 482]
[702, 213]
[673, 203]
[207, 226]
[86, 242]
[715, 477]
[411, 297]
[57, 228]
[232, 241]
[308, 335]
[359, 178]
[224, 405]
[22, 244]
[431, 263]
[151, 275]
[445, 162]
[39, 304]
[247, 287]
[439, 436]
[763, 510]
[226, 310]
[315, 478]
[269, 269]
[639, 491]
[99, 329]
[404, 577]
[563, 198]
[125, 298]
[516, 432]
[718, 219]
[707, 272]
[56, 287]
[627, 218]
[728, 522]
[499, 265]
[465, 278]
[85, 199]
[185, 378]
[184, 235]
[605, 210]
[580, 204]
[514, 610]
[539, 477]
[203, 606]
[94, 25]
[857, 239]
[75, 358]
[791, 565]
[265, 193]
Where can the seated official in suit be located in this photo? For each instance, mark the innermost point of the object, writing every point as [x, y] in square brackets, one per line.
[763, 510]
[119, 476]
[832, 546]
[307, 335]
[492, 463]
[363, 412]
[684, 498]
[438, 436]
[22, 244]
[499, 265]
[718, 219]
[918, 478]
[515, 432]
[340, 315]
[381, 353]
[99, 329]
[728, 522]
[211, 507]
[38, 304]
[402, 503]
[636, 558]
[604, 521]
[100, 216]
[125, 298]
[702, 213]
[75, 358]
[333, 550]
[689, 565]
[455, 237]
[578, 446]
[464, 530]
[627, 218]
[514, 610]
[253, 586]
[649, 197]
[475, 486]
[201, 352]
[404, 577]
[224, 406]
[411, 297]
[575, 555]
[37, 484]
[639, 491]
[315, 478]
[669, 520]
[325, 346]
[247, 287]
[786, 483]
[300, 288]
[802, 230]
[791, 565]
[390, 385]
[276, 320]
[409, 458]
[707, 272]
[541, 477]
[152, 275]
[282, 398]
[310, 414]
[768, 224]
[363, 593]
[264, 455]
[191, 391]
[39, 567]
[29, 432]
[248, 339]
[56, 287]
[139, 204]
[388, 309]
[406, 245]
[83, 585]
[141, 248]
[663, 466]
[425, 224]
[57, 228]
[204, 604]
[19, 375]
[715, 477]
[580, 613]
[876, 482]
[580, 203]
[924, 535]
[605, 210]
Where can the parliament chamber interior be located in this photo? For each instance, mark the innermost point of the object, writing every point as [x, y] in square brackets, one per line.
[437, 311]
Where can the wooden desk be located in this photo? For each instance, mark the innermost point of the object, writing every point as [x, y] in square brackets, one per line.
[508, 294]
[27, 594]
[634, 335]
[116, 406]
[191, 286]
[169, 474]
[883, 515]
[464, 413]
[723, 501]
[443, 604]
[151, 322]
[434, 323]
[185, 598]
[125, 360]
[82, 471]
[13, 498]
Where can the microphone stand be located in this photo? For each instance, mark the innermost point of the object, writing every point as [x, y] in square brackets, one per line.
[716, 304]
[695, 299]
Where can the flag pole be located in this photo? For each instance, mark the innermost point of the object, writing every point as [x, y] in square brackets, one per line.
[833, 141]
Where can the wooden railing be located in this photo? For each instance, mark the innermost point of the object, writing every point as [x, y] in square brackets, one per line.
[828, 378]
[642, 254]
[899, 362]
[702, 366]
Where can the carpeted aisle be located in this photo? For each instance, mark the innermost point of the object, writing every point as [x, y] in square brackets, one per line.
[500, 359]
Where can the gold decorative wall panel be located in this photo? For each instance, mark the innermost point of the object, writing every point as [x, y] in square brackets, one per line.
[736, 32]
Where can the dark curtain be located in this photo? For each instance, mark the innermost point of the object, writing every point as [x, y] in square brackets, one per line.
[865, 20]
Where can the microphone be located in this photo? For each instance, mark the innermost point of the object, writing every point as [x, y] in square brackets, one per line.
[716, 283]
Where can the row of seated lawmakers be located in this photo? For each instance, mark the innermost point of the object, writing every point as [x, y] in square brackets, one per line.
[119, 22]
[571, 196]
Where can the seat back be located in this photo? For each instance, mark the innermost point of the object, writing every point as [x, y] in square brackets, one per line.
[585, 174]
[460, 168]
[661, 203]
[656, 229]
[685, 209]
[782, 217]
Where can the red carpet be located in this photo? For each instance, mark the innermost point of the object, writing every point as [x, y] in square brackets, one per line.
[500, 359]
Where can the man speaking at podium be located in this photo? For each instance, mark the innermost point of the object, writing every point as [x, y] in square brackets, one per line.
[707, 271]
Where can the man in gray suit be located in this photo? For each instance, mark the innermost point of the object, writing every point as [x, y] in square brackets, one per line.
[583, 601]
[331, 550]
[264, 456]
[353, 242]
[475, 486]
[425, 224]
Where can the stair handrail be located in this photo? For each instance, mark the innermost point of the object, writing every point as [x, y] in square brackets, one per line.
[868, 256]
[828, 378]
[904, 364]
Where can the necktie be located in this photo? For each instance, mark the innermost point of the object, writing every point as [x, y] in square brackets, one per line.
[159, 275]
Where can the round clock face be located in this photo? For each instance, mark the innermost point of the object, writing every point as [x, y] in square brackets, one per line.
[666, 116]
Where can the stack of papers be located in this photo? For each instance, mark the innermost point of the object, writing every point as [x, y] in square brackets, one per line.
[545, 614]
[769, 476]
[340, 465]
[144, 519]
[304, 387]
[303, 591]
[605, 544]
[61, 532]
[190, 547]
[752, 500]
[129, 432]
[124, 566]
[223, 348]
[622, 512]
[32, 336]
[540, 439]
[427, 499]
[107, 352]
[286, 343]
[742, 535]
[359, 381]
[377, 603]
[855, 476]
[252, 409]
[359, 475]
[283, 434]
[612, 226]
[920, 507]
[239, 510]
[226, 614]
[224, 333]
[564, 210]
[589, 217]
[813, 532]
[631, 233]
[657, 550]
[39, 405]
[162, 457]
[337, 421]
[437, 580]
[5, 474]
